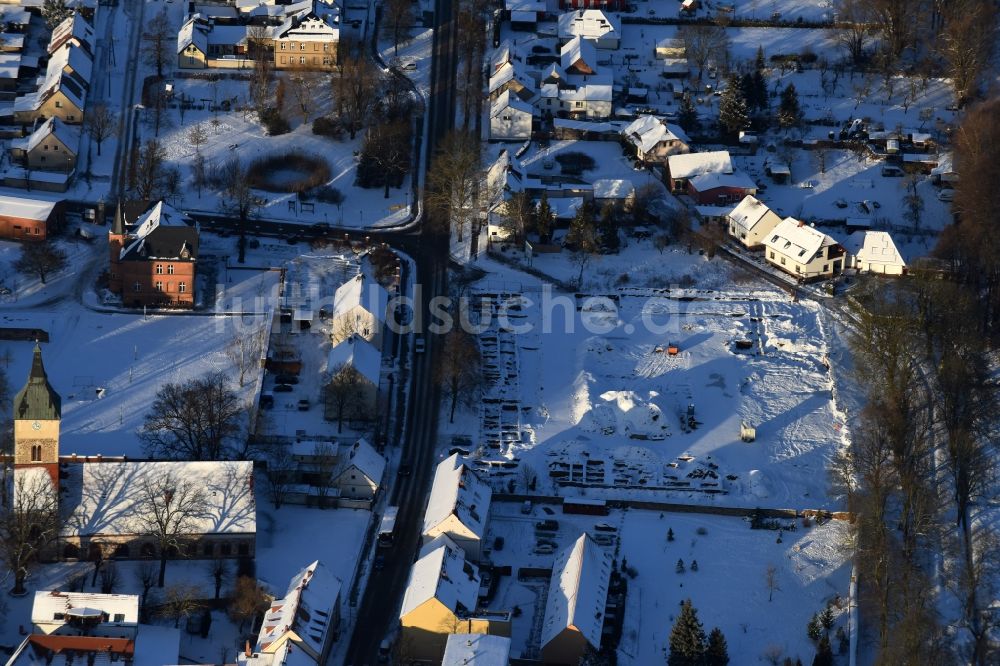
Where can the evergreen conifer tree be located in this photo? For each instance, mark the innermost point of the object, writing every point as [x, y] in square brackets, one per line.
[687, 639]
[824, 654]
[687, 117]
[733, 115]
[717, 651]
[788, 111]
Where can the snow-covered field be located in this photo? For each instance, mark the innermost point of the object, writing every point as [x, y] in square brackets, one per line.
[812, 569]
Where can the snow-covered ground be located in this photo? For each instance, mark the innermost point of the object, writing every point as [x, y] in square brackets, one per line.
[812, 569]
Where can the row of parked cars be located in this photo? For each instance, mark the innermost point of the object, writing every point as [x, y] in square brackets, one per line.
[283, 383]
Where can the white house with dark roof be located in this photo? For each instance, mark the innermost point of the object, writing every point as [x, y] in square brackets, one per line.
[458, 507]
[53, 613]
[655, 140]
[751, 221]
[803, 251]
[874, 252]
[510, 118]
[574, 608]
[74, 30]
[300, 628]
[603, 29]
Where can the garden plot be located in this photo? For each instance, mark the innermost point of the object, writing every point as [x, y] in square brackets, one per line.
[618, 415]
[812, 569]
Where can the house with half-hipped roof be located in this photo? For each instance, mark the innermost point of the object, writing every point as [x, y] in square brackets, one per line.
[459, 506]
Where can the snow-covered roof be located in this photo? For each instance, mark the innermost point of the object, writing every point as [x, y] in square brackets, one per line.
[525, 5]
[357, 353]
[588, 92]
[73, 27]
[193, 32]
[507, 100]
[613, 188]
[161, 233]
[107, 497]
[68, 135]
[875, 247]
[749, 212]
[366, 459]
[311, 25]
[70, 56]
[10, 65]
[303, 615]
[361, 291]
[476, 650]
[442, 573]
[510, 71]
[578, 592]
[704, 182]
[588, 24]
[48, 603]
[797, 240]
[26, 208]
[676, 66]
[646, 132]
[501, 55]
[458, 491]
[692, 164]
[578, 49]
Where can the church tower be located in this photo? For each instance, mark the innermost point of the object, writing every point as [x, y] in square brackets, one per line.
[37, 410]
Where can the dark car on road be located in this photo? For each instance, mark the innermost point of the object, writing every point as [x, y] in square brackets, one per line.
[283, 388]
[286, 379]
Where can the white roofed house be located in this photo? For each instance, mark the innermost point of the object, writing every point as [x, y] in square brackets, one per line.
[613, 190]
[353, 372]
[115, 614]
[476, 650]
[52, 146]
[63, 91]
[588, 98]
[655, 140]
[74, 30]
[578, 56]
[802, 251]
[510, 118]
[720, 188]
[308, 39]
[751, 221]
[300, 628]
[602, 28]
[360, 473]
[575, 606]
[458, 507]
[512, 75]
[360, 307]
[682, 168]
[192, 43]
[441, 599]
[874, 252]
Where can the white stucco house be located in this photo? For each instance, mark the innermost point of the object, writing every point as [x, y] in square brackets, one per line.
[803, 251]
[751, 221]
[874, 252]
[510, 118]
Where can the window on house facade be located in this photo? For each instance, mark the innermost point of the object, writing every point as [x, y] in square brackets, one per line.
[58, 104]
[283, 46]
[327, 60]
[182, 287]
[283, 60]
[70, 119]
[302, 46]
[158, 286]
[119, 617]
[159, 269]
[137, 287]
[826, 267]
[782, 261]
[302, 60]
[36, 453]
[772, 255]
[170, 269]
[326, 46]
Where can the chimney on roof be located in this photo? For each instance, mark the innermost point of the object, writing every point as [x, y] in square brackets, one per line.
[801, 223]
[246, 649]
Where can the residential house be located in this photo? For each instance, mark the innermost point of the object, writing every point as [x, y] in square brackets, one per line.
[357, 356]
[874, 252]
[308, 39]
[578, 56]
[360, 306]
[512, 75]
[476, 650]
[301, 627]
[510, 118]
[654, 139]
[802, 251]
[91, 628]
[682, 168]
[618, 191]
[440, 599]
[591, 99]
[51, 147]
[595, 25]
[606, 5]
[751, 221]
[192, 43]
[720, 188]
[29, 218]
[74, 30]
[575, 605]
[63, 91]
[153, 257]
[360, 472]
[459, 507]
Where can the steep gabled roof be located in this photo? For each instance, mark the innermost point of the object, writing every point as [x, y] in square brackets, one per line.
[797, 239]
[875, 247]
[458, 491]
[195, 32]
[305, 612]
[693, 164]
[578, 592]
[356, 352]
[646, 132]
[507, 100]
[442, 573]
[74, 27]
[361, 290]
[37, 401]
[161, 233]
[68, 135]
[709, 181]
[367, 460]
[578, 49]
[589, 24]
[749, 212]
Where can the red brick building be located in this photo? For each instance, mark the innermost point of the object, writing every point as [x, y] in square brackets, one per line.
[29, 219]
[153, 256]
[719, 189]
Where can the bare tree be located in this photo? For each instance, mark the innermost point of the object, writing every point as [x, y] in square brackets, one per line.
[145, 575]
[248, 600]
[397, 19]
[280, 470]
[262, 74]
[517, 214]
[771, 581]
[109, 578]
[581, 239]
[302, 86]
[913, 203]
[343, 394]
[100, 123]
[896, 22]
[355, 89]
[29, 525]
[967, 44]
[168, 509]
[180, 601]
[158, 41]
[454, 183]
[246, 347]
[854, 32]
[385, 155]
[703, 42]
[219, 570]
[458, 370]
[148, 169]
[322, 469]
[197, 136]
[194, 420]
[41, 259]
